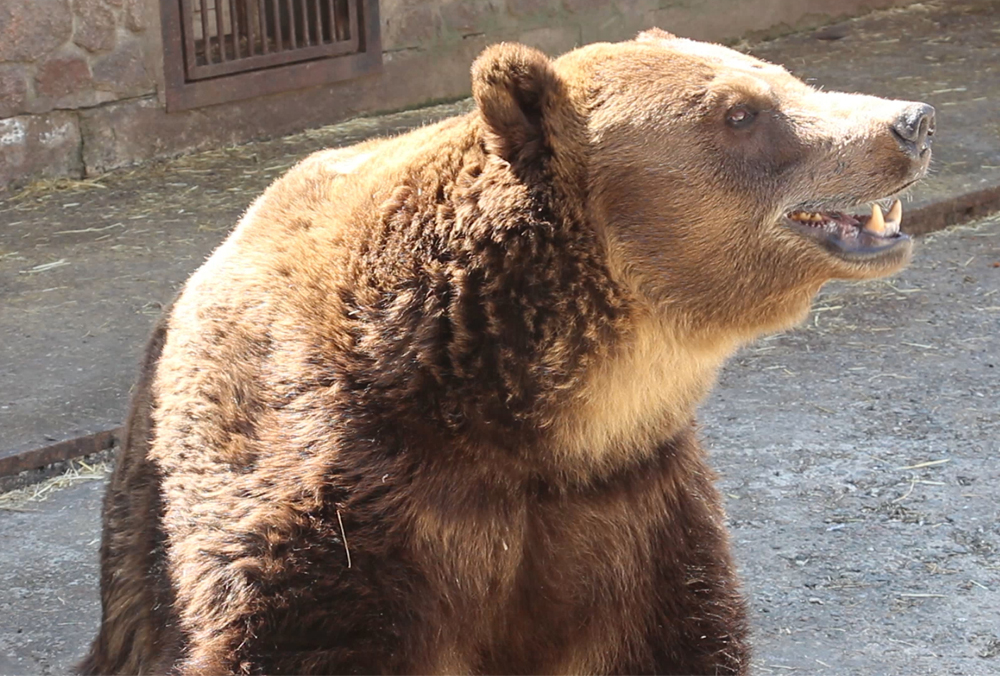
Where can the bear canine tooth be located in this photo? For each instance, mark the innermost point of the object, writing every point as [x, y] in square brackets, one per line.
[895, 214]
[893, 219]
[876, 223]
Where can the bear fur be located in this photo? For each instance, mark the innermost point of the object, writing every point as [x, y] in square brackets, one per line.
[430, 407]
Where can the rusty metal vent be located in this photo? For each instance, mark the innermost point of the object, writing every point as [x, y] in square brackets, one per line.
[212, 47]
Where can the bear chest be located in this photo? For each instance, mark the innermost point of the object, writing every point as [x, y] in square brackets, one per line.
[549, 587]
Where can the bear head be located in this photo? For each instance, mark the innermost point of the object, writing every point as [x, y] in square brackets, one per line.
[722, 186]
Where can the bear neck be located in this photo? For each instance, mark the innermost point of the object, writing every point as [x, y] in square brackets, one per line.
[639, 395]
[515, 329]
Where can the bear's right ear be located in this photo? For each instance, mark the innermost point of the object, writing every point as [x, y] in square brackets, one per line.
[514, 86]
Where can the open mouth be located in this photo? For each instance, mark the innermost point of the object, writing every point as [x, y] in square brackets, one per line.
[853, 237]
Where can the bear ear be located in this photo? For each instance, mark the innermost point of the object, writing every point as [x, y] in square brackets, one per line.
[655, 35]
[513, 86]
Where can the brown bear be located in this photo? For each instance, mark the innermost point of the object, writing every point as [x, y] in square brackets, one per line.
[430, 408]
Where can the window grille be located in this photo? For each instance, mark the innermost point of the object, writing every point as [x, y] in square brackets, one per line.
[222, 50]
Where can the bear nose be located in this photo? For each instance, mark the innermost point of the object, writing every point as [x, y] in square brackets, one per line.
[914, 128]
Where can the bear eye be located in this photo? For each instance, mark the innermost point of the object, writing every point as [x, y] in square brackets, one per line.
[740, 116]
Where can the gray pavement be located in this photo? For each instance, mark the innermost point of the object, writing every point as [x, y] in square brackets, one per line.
[858, 457]
[85, 267]
[49, 603]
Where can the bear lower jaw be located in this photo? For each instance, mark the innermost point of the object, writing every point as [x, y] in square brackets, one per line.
[870, 239]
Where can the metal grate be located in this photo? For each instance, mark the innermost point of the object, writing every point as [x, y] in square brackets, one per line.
[229, 36]
[218, 42]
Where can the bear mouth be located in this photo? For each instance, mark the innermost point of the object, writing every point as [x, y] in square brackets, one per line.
[854, 237]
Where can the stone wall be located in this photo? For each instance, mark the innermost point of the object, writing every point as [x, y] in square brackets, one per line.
[58, 57]
[81, 80]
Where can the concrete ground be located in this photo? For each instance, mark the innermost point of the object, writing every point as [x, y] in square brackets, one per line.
[858, 457]
[856, 452]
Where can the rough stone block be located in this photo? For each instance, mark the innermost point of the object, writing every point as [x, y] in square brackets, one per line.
[95, 25]
[585, 6]
[61, 78]
[36, 146]
[614, 21]
[135, 16]
[123, 71]
[119, 134]
[714, 20]
[30, 29]
[438, 74]
[407, 24]
[64, 81]
[533, 9]
[13, 89]
[553, 40]
[466, 17]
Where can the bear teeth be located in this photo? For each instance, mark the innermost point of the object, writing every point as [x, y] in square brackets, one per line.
[879, 223]
[876, 223]
[882, 226]
[807, 217]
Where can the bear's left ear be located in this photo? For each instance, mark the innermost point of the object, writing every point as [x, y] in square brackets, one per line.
[514, 86]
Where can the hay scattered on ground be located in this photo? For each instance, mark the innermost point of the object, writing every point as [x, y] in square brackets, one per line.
[48, 186]
[20, 499]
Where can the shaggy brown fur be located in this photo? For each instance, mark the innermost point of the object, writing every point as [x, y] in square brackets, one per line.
[430, 408]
